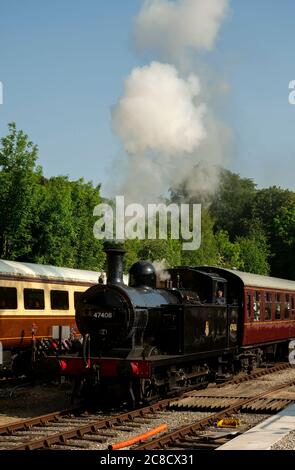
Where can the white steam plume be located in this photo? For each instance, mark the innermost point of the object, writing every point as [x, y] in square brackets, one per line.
[172, 26]
[168, 133]
[161, 270]
[158, 111]
[159, 119]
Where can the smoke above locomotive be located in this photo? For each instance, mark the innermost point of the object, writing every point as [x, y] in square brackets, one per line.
[166, 118]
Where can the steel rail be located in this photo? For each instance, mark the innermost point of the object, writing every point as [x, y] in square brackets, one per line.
[78, 431]
[189, 430]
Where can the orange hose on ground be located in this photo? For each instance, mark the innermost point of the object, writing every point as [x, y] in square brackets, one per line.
[141, 437]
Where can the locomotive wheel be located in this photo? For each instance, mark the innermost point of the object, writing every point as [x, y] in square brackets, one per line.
[148, 391]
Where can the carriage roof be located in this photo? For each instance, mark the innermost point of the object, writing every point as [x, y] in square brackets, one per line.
[255, 280]
[30, 270]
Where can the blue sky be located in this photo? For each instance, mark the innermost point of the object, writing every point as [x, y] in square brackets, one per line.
[62, 65]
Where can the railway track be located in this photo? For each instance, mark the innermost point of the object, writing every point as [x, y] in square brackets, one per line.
[244, 377]
[200, 434]
[73, 428]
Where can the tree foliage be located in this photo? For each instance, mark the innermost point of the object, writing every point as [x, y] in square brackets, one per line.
[50, 220]
[232, 203]
[18, 184]
[254, 254]
[42, 220]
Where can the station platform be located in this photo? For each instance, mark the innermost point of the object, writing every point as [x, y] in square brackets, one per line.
[266, 434]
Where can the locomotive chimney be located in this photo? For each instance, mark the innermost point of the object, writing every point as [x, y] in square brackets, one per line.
[114, 265]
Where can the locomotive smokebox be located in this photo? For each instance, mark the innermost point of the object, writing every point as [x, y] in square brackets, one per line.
[114, 265]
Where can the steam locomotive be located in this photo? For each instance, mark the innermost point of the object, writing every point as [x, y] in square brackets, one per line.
[150, 339]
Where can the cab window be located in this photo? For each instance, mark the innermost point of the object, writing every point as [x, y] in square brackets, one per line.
[220, 294]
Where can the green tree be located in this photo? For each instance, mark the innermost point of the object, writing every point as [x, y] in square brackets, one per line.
[208, 251]
[229, 253]
[284, 242]
[132, 248]
[273, 208]
[267, 203]
[88, 251]
[63, 229]
[54, 231]
[51, 220]
[254, 254]
[157, 250]
[19, 178]
[232, 204]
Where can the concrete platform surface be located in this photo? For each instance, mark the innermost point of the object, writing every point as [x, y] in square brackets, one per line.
[266, 434]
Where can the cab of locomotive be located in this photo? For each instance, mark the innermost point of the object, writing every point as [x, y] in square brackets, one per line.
[208, 287]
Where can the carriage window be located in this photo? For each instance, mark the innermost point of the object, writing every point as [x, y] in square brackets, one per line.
[287, 307]
[59, 299]
[278, 307]
[8, 298]
[77, 296]
[34, 299]
[256, 306]
[248, 306]
[267, 314]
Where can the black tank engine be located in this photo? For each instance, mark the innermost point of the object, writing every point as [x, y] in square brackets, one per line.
[151, 338]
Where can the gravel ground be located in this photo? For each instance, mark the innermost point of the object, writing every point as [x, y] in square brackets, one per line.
[286, 443]
[249, 420]
[112, 435]
[28, 401]
[172, 419]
